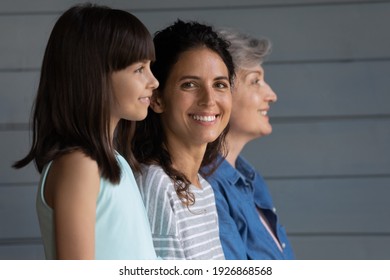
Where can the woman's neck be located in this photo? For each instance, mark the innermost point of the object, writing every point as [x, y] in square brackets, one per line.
[187, 160]
[234, 147]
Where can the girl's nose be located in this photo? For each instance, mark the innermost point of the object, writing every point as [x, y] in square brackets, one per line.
[154, 82]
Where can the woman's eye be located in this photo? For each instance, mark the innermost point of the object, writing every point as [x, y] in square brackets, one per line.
[188, 85]
[258, 82]
[221, 85]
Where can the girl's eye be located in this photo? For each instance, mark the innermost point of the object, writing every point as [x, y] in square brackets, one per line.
[140, 69]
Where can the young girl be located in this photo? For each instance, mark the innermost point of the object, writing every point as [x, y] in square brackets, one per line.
[183, 132]
[95, 79]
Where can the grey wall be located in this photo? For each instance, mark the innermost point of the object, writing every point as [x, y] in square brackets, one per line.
[327, 162]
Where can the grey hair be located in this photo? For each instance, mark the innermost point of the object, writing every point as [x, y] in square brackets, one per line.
[247, 51]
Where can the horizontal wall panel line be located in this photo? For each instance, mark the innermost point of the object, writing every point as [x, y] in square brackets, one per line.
[315, 177]
[322, 61]
[32, 13]
[328, 177]
[339, 234]
[18, 184]
[279, 178]
[17, 70]
[199, 7]
[271, 62]
[334, 118]
[275, 120]
[14, 126]
[20, 241]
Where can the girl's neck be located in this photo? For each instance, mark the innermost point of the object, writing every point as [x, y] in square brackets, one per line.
[113, 124]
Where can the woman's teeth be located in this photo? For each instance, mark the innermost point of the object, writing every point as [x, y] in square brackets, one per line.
[264, 113]
[204, 118]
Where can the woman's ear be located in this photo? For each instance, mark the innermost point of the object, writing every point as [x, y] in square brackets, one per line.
[156, 102]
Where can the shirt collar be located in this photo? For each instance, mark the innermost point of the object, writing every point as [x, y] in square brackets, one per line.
[245, 168]
[242, 172]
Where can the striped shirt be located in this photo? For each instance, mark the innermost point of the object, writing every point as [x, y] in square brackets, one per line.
[180, 232]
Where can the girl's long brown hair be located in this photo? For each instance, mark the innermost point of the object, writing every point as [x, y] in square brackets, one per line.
[72, 107]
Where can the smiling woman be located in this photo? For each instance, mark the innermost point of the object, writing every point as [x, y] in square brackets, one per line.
[184, 131]
[196, 102]
[249, 228]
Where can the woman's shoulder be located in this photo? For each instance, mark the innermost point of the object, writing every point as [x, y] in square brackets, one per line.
[152, 172]
[152, 175]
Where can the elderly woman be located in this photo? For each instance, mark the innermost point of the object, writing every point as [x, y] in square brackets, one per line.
[249, 228]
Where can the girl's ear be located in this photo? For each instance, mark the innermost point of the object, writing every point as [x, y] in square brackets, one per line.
[156, 102]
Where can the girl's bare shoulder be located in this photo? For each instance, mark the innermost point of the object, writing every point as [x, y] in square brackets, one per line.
[72, 175]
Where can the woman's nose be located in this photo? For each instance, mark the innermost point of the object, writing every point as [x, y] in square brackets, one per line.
[271, 95]
[207, 97]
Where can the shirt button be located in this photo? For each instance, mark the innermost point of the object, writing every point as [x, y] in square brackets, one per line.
[283, 245]
[274, 210]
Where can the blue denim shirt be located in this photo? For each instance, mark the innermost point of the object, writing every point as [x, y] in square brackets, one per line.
[238, 193]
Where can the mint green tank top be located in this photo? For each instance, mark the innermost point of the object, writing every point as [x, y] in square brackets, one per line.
[122, 228]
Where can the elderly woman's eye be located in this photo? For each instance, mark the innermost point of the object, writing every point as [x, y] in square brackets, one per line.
[258, 82]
